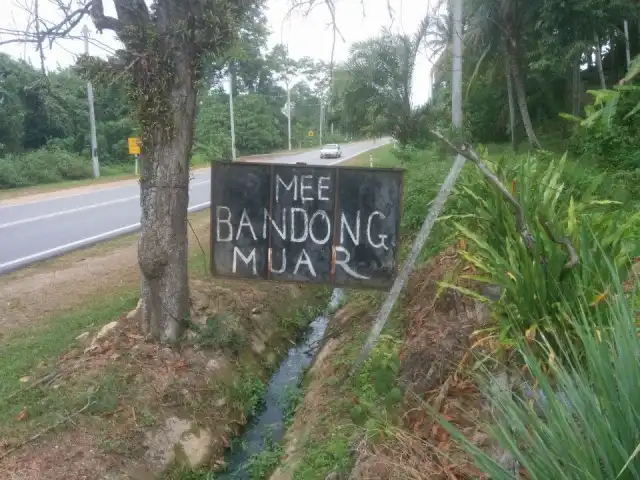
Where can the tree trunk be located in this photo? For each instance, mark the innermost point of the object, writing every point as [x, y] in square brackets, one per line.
[164, 198]
[521, 92]
[512, 105]
[603, 83]
[626, 44]
[575, 86]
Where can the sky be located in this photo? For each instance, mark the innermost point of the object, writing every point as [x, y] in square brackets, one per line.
[306, 35]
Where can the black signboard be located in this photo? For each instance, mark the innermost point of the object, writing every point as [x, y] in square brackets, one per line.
[306, 224]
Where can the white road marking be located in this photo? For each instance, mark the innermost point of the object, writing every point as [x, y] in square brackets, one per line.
[52, 252]
[106, 188]
[45, 254]
[71, 195]
[359, 153]
[66, 212]
[79, 209]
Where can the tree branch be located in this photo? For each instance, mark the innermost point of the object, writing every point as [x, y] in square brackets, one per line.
[470, 154]
[574, 259]
[58, 30]
[102, 21]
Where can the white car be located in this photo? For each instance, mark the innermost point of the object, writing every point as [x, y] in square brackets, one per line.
[331, 150]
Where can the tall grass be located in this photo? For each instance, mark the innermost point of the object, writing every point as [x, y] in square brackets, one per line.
[534, 280]
[583, 421]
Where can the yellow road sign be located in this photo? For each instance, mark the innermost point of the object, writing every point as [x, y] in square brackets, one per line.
[134, 146]
[310, 133]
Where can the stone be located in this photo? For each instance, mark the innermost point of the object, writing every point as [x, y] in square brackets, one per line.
[82, 337]
[213, 365]
[492, 292]
[199, 300]
[480, 439]
[257, 345]
[197, 447]
[271, 359]
[161, 444]
[104, 331]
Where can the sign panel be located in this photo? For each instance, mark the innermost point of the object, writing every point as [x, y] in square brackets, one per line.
[310, 134]
[134, 146]
[306, 224]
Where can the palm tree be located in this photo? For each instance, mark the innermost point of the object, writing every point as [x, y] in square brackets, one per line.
[380, 73]
[440, 40]
[497, 25]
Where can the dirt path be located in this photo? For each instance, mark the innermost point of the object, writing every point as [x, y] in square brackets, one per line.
[29, 296]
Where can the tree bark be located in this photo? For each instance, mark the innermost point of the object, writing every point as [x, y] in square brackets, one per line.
[164, 198]
[512, 105]
[603, 83]
[575, 85]
[521, 92]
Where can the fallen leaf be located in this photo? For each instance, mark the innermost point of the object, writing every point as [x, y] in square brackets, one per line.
[22, 415]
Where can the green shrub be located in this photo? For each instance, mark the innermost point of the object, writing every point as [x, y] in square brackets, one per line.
[616, 147]
[582, 420]
[42, 166]
[426, 170]
[534, 280]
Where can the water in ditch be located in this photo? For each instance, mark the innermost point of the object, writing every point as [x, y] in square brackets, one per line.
[269, 424]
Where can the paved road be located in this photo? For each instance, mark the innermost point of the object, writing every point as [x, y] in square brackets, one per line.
[41, 229]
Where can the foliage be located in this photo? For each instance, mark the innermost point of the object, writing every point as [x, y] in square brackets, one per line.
[610, 131]
[291, 398]
[534, 280]
[247, 391]
[547, 39]
[426, 170]
[46, 165]
[372, 91]
[44, 125]
[262, 464]
[582, 419]
[220, 332]
[367, 402]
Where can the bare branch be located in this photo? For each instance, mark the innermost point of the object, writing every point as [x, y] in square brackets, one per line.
[36, 13]
[33, 438]
[58, 30]
[574, 259]
[467, 152]
[101, 21]
[470, 154]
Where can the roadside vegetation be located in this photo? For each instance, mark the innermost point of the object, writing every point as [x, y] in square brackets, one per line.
[44, 131]
[514, 351]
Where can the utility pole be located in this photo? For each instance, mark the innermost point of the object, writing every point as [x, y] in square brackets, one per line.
[321, 119]
[289, 112]
[439, 201]
[456, 80]
[233, 126]
[92, 116]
